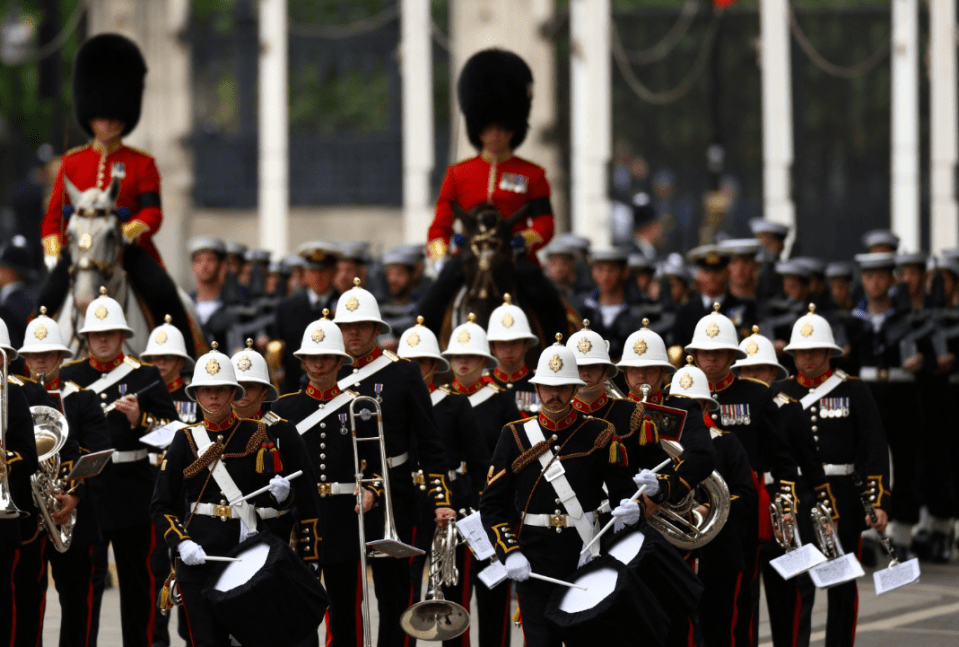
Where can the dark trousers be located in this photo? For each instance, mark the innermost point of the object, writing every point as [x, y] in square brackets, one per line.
[719, 611]
[748, 603]
[160, 569]
[8, 560]
[391, 576]
[133, 548]
[73, 579]
[537, 630]
[842, 611]
[492, 604]
[898, 404]
[936, 456]
[789, 602]
[202, 627]
[344, 620]
[29, 592]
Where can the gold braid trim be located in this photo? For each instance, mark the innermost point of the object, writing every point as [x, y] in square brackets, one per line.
[530, 455]
[636, 419]
[253, 444]
[212, 453]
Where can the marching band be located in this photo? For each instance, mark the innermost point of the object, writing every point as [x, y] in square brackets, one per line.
[676, 418]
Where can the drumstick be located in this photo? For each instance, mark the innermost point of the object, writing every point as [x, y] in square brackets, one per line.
[265, 488]
[635, 497]
[537, 576]
[214, 558]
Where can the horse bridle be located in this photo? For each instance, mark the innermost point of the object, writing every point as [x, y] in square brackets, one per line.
[84, 262]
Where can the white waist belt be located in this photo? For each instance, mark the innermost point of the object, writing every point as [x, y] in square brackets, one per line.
[214, 510]
[558, 521]
[396, 461]
[335, 489]
[838, 470]
[873, 374]
[130, 457]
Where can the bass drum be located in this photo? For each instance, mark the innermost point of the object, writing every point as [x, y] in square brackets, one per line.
[616, 608]
[271, 597]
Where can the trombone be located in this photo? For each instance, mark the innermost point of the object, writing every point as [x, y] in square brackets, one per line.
[390, 545]
[8, 509]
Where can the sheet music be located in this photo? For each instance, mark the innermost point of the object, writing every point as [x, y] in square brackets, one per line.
[472, 531]
[897, 576]
[163, 436]
[492, 574]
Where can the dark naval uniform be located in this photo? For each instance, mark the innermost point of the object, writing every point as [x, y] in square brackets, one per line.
[21, 464]
[848, 430]
[330, 449]
[188, 504]
[467, 459]
[523, 392]
[747, 410]
[407, 421]
[293, 315]
[515, 490]
[493, 407]
[73, 569]
[124, 488]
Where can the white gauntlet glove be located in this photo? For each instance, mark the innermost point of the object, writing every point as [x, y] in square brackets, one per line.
[50, 261]
[627, 513]
[517, 567]
[649, 479]
[279, 488]
[191, 553]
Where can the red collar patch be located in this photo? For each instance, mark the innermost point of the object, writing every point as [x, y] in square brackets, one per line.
[474, 387]
[222, 426]
[722, 384]
[104, 367]
[561, 424]
[655, 398]
[322, 396]
[515, 376]
[53, 385]
[360, 362]
[590, 407]
[431, 386]
[812, 383]
[175, 384]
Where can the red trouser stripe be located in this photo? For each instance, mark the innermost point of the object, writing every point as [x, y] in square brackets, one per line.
[409, 601]
[360, 574]
[186, 614]
[151, 594]
[855, 614]
[732, 628]
[13, 597]
[86, 639]
[466, 590]
[43, 591]
[797, 613]
[326, 621]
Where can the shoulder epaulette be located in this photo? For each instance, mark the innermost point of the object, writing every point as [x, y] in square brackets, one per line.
[76, 149]
[289, 395]
[791, 378]
[24, 378]
[393, 356]
[496, 387]
[445, 388]
[752, 379]
[76, 386]
[13, 379]
[271, 418]
[843, 375]
[135, 363]
[145, 363]
[76, 361]
[715, 432]
[786, 397]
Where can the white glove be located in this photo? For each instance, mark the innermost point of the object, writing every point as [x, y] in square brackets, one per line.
[517, 567]
[50, 261]
[191, 553]
[628, 512]
[279, 488]
[647, 478]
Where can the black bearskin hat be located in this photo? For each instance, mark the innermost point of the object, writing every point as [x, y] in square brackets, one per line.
[496, 87]
[108, 75]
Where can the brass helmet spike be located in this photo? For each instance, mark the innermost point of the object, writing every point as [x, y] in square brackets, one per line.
[356, 281]
[103, 290]
[812, 308]
[559, 339]
[689, 360]
[716, 307]
[471, 317]
[214, 345]
[585, 324]
[755, 330]
[420, 320]
[326, 312]
[167, 319]
[645, 322]
[507, 299]
[249, 343]
[43, 310]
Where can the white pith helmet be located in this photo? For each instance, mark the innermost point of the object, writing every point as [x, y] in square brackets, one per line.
[645, 347]
[589, 348]
[214, 369]
[250, 366]
[357, 305]
[470, 339]
[509, 323]
[811, 332]
[42, 336]
[557, 366]
[103, 315]
[760, 352]
[323, 337]
[166, 339]
[716, 331]
[691, 382]
[419, 341]
[5, 342]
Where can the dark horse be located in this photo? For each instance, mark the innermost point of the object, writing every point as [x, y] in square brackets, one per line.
[487, 268]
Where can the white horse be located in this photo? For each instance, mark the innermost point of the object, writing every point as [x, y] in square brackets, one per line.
[96, 246]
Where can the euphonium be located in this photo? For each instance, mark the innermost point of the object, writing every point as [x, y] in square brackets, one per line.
[681, 524]
[51, 430]
[436, 618]
[825, 531]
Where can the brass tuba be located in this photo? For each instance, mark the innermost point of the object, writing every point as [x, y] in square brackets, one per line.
[51, 431]
[436, 618]
[681, 524]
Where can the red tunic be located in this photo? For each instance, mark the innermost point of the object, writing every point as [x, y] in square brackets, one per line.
[509, 184]
[89, 166]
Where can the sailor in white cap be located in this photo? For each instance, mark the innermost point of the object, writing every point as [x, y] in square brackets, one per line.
[743, 266]
[839, 275]
[407, 419]
[880, 241]
[606, 307]
[531, 532]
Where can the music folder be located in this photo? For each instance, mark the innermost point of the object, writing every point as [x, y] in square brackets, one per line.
[90, 465]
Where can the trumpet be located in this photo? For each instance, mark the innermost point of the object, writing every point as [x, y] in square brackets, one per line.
[681, 524]
[390, 545]
[8, 509]
[871, 512]
[784, 527]
[51, 431]
[825, 531]
[436, 618]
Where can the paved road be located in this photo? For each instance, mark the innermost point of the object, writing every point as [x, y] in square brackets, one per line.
[924, 614]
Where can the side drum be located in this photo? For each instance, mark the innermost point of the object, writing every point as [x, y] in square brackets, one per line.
[271, 597]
